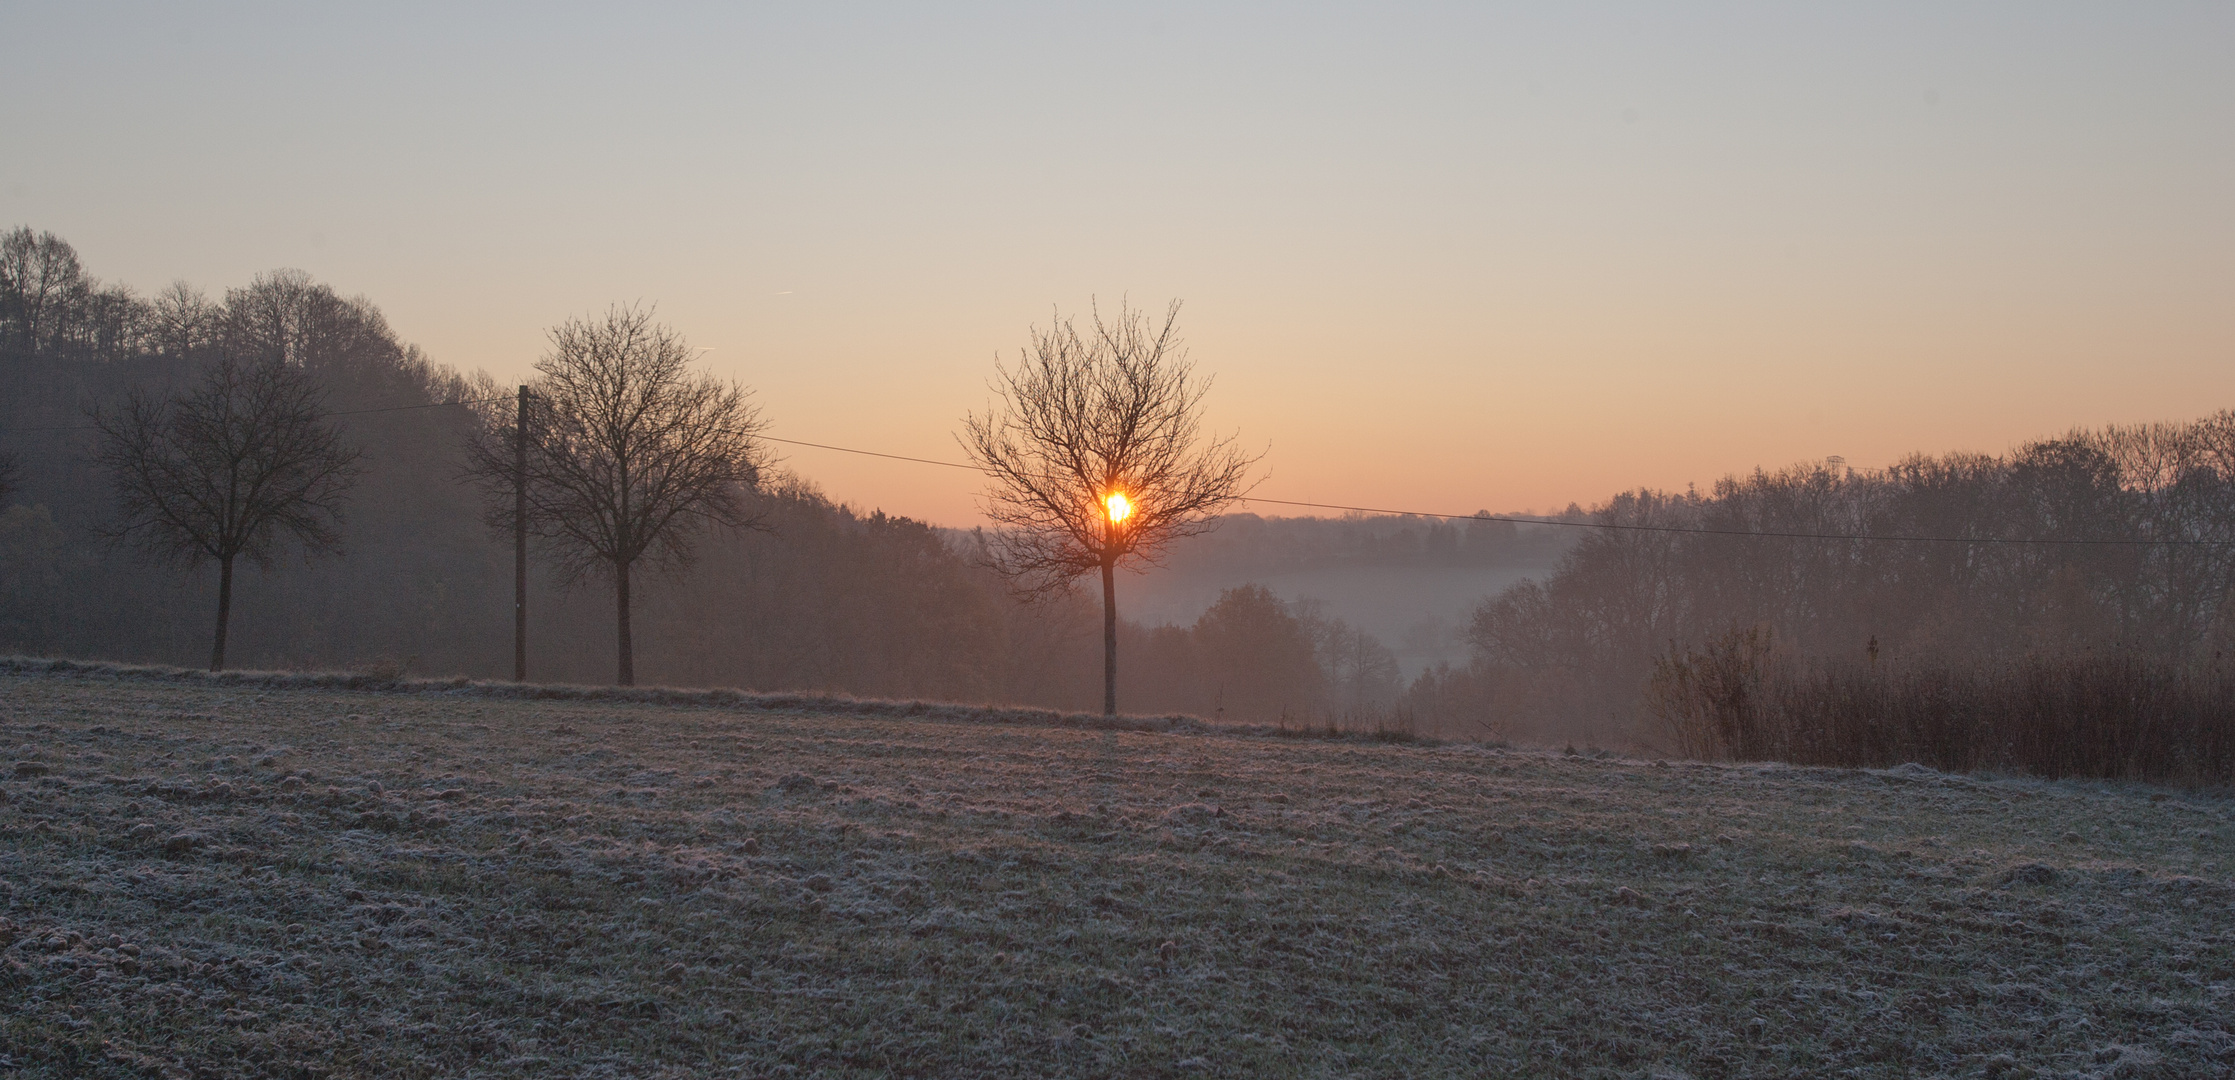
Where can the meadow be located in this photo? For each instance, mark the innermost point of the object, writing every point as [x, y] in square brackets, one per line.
[245, 875]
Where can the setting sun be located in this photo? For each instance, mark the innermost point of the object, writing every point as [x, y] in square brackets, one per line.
[1591, 445]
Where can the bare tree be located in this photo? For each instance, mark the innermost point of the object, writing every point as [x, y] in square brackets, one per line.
[1097, 456]
[627, 455]
[227, 468]
[182, 321]
[41, 286]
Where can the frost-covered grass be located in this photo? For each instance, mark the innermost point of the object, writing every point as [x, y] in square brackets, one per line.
[277, 878]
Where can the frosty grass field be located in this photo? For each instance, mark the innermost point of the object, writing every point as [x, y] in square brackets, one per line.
[271, 878]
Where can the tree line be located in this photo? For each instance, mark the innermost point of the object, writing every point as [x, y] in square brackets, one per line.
[398, 557]
[2107, 541]
[1248, 543]
[389, 549]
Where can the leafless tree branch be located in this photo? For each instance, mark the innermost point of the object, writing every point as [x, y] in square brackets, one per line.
[1082, 416]
[629, 455]
[228, 468]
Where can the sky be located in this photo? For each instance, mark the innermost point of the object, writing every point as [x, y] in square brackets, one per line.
[1438, 257]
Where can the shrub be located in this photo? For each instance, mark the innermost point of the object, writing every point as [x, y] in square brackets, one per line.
[1708, 703]
[2102, 715]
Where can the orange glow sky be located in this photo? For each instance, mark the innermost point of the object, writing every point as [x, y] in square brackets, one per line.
[1440, 258]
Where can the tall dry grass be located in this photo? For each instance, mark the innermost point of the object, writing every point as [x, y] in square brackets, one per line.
[1375, 723]
[2097, 715]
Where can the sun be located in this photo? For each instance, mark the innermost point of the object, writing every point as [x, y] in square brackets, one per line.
[1120, 507]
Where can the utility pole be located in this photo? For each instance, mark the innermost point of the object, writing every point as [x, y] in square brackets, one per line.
[520, 541]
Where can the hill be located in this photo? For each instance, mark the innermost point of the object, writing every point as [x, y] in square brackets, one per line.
[264, 876]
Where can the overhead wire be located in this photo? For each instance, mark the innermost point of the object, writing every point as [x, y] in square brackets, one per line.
[1525, 519]
[1521, 519]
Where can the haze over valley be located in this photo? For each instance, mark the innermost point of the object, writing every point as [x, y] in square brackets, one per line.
[996, 540]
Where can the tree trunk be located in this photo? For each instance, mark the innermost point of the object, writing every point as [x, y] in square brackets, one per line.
[224, 610]
[621, 603]
[1109, 637]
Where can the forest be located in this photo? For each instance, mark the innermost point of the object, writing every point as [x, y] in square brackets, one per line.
[820, 596]
[1651, 621]
[2063, 608]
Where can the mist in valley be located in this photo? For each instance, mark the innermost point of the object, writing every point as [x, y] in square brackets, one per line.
[1654, 621]
[1166, 541]
[1411, 582]
[822, 596]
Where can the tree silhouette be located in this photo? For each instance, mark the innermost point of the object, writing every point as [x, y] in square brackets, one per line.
[41, 288]
[627, 453]
[1258, 656]
[1097, 456]
[226, 469]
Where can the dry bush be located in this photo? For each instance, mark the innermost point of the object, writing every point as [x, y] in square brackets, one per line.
[2116, 715]
[2111, 715]
[1708, 702]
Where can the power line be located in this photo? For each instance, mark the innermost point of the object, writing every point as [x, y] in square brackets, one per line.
[1515, 518]
[1766, 533]
[873, 453]
[1528, 520]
